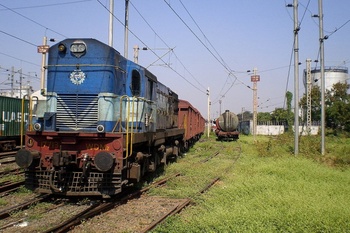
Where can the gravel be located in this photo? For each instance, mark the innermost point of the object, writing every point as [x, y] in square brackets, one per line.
[133, 216]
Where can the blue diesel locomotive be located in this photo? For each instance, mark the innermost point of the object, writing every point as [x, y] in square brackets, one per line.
[104, 123]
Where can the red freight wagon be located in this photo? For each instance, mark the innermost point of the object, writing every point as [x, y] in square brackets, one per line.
[191, 120]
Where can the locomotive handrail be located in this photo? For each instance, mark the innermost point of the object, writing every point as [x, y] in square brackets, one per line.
[22, 118]
[129, 129]
[86, 65]
[132, 124]
[30, 117]
[128, 134]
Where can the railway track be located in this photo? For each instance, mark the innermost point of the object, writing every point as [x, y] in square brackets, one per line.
[15, 171]
[22, 206]
[7, 154]
[9, 186]
[101, 208]
[149, 211]
[144, 211]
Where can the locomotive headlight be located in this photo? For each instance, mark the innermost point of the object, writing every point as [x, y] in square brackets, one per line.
[37, 127]
[78, 48]
[62, 48]
[100, 128]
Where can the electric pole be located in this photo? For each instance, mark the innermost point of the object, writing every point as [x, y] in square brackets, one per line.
[126, 29]
[255, 79]
[43, 49]
[136, 53]
[308, 96]
[323, 114]
[12, 80]
[110, 31]
[209, 124]
[20, 83]
[296, 76]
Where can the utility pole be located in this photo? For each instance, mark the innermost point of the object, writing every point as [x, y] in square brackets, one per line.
[296, 78]
[12, 80]
[255, 79]
[20, 83]
[43, 49]
[110, 31]
[322, 75]
[308, 96]
[209, 124]
[136, 53]
[126, 29]
[323, 115]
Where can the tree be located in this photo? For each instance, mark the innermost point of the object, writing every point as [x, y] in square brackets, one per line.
[315, 103]
[280, 115]
[264, 117]
[337, 102]
[246, 116]
[289, 97]
[284, 115]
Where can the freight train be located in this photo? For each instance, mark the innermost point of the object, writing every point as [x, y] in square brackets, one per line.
[106, 122]
[226, 126]
[12, 115]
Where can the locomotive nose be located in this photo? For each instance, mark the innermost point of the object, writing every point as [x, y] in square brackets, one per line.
[24, 158]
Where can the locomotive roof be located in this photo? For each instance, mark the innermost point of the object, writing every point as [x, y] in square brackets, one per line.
[150, 75]
[147, 72]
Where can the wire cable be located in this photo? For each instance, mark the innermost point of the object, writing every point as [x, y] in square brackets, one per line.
[165, 43]
[216, 58]
[18, 38]
[46, 5]
[33, 21]
[138, 38]
[21, 60]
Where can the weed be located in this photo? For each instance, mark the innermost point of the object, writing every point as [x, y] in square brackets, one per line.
[267, 190]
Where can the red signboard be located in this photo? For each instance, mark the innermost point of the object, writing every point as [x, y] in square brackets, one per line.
[43, 48]
[255, 78]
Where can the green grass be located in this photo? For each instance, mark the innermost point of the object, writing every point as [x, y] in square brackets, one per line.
[267, 190]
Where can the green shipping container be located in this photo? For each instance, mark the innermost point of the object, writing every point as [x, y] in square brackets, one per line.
[11, 116]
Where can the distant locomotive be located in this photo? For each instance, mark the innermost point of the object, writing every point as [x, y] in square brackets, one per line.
[226, 126]
[106, 121]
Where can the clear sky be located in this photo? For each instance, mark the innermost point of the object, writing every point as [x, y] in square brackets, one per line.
[195, 44]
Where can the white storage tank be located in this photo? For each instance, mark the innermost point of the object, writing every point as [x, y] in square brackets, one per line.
[332, 75]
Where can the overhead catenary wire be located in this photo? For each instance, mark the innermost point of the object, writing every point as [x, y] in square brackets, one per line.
[17, 38]
[229, 78]
[33, 21]
[220, 95]
[206, 38]
[145, 44]
[47, 5]
[166, 44]
[216, 58]
[19, 59]
[46, 28]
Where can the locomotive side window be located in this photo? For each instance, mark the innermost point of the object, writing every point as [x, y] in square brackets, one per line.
[149, 93]
[135, 83]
